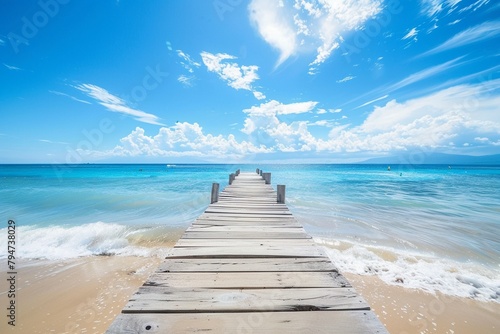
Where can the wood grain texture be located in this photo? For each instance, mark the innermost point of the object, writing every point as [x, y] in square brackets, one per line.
[246, 265]
[313, 322]
[191, 300]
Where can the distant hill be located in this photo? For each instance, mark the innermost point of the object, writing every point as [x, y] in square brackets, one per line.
[436, 158]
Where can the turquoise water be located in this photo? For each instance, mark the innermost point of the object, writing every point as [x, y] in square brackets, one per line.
[435, 227]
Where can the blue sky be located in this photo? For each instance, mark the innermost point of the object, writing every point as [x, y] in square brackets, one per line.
[247, 81]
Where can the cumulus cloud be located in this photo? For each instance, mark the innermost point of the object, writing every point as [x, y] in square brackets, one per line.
[115, 104]
[451, 117]
[308, 25]
[181, 140]
[236, 76]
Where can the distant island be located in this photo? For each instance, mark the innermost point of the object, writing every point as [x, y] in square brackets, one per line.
[436, 159]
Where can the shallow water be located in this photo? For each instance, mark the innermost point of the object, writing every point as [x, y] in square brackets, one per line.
[433, 227]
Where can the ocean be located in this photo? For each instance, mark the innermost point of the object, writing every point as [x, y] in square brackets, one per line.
[430, 227]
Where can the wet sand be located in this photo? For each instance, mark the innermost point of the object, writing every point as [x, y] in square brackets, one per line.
[85, 295]
[75, 296]
[408, 311]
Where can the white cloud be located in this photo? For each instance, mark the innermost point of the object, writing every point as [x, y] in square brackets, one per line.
[186, 80]
[275, 26]
[187, 62]
[237, 77]
[347, 78]
[277, 108]
[475, 34]
[180, 140]
[454, 22]
[431, 7]
[310, 25]
[412, 33]
[12, 68]
[482, 139]
[115, 104]
[424, 74]
[53, 142]
[67, 95]
[2, 42]
[372, 101]
[335, 110]
[321, 111]
[450, 118]
[475, 6]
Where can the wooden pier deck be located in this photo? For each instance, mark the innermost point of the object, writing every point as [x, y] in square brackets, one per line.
[246, 266]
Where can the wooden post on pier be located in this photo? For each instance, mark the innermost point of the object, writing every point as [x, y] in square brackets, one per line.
[267, 177]
[281, 194]
[215, 193]
[232, 176]
[260, 172]
[237, 172]
[257, 171]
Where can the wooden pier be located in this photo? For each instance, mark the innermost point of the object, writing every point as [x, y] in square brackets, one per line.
[246, 266]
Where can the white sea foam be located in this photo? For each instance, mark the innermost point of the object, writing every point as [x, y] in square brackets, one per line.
[414, 270]
[65, 242]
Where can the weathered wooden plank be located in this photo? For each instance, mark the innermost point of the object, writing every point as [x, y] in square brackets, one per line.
[252, 252]
[239, 211]
[246, 223]
[318, 322]
[243, 242]
[246, 265]
[245, 235]
[237, 215]
[262, 280]
[253, 206]
[236, 228]
[169, 300]
[212, 217]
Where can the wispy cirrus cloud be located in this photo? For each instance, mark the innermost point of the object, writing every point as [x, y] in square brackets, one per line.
[69, 96]
[115, 104]
[411, 34]
[474, 6]
[187, 81]
[347, 78]
[53, 142]
[187, 62]
[12, 68]
[372, 101]
[481, 32]
[236, 76]
[305, 26]
[424, 74]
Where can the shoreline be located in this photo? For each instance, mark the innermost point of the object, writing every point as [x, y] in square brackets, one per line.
[84, 295]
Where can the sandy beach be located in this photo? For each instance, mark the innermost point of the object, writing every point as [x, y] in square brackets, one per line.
[84, 296]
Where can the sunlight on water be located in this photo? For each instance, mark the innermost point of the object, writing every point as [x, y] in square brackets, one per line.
[413, 220]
